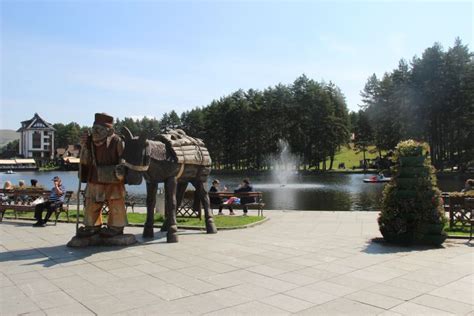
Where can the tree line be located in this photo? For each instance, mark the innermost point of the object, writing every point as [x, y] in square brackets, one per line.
[242, 130]
[430, 98]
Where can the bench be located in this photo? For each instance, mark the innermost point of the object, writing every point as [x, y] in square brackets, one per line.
[21, 201]
[460, 208]
[469, 204]
[257, 205]
[129, 202]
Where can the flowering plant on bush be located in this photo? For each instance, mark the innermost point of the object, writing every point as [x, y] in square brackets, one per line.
[412, 205]
[411, 148]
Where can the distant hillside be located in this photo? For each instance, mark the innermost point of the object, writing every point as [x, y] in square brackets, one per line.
[7, 135]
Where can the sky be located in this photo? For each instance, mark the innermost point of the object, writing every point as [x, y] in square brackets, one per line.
[67, 60]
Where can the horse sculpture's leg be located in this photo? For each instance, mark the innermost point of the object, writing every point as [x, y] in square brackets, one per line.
[166, 224]
[204, 198]
[197, 202]
[170, 193]
[151, 189]
[181, 189]
[179, 198]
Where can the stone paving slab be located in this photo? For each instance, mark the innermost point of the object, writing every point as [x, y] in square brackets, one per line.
[298, 262]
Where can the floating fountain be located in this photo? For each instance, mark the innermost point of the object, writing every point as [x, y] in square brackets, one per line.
[284, 165]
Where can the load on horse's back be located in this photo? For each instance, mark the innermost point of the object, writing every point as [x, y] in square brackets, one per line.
[175, 159]
[187, 150]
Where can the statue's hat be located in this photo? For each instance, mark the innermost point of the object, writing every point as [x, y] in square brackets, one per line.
[104, 120]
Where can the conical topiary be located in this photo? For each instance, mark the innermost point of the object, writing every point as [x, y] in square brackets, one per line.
[412, 210]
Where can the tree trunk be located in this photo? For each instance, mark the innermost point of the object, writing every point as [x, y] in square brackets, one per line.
[364, 163]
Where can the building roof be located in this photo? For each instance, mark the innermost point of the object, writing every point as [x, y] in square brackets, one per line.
[37, 122]
[16, 161]
[72, 160]
[73, 150]
[25, 161]
[60, 151]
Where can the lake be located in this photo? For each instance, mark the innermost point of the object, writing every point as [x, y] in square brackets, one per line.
[338, 192]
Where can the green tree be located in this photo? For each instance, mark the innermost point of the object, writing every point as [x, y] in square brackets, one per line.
[363, 135]
[430, 99]
[10, 150]
[170, 121]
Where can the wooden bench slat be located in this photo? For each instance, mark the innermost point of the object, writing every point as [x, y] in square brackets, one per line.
[20, 206]
[258, 205]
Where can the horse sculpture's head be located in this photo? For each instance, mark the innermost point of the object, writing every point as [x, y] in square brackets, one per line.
[135, 156]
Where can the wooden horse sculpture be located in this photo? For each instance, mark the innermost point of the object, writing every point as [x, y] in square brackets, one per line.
[175, 159]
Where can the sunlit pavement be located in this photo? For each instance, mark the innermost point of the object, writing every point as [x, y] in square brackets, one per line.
[297, 262]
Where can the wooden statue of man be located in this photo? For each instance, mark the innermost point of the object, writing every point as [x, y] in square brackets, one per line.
[100, 169]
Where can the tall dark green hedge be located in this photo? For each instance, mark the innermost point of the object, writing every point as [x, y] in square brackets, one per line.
[412, 206]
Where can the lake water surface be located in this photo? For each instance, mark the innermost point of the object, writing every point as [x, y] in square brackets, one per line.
[338, 192]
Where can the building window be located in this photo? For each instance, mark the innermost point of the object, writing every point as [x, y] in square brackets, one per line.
[45, 140]
[37, 155]
[39, 125]
[45, 133]
[36, 140]
[46, 147]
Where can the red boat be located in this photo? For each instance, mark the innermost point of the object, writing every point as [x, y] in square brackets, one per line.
[377, 179]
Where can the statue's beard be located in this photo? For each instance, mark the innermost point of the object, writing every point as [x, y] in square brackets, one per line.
[98, 140]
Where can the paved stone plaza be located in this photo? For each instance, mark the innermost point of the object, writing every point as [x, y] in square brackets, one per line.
[308, 263]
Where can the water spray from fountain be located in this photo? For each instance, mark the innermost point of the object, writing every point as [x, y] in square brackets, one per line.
[284, 165]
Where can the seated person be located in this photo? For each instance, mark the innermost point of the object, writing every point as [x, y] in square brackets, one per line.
[24, 197]
[468, 186]
[7, 186]
[245, 187]
[217, 200]
[56, 199]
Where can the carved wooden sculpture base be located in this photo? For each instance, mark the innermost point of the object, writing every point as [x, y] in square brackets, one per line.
[97, 240]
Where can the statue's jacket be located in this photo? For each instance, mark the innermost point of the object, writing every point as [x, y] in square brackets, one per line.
[98, 164]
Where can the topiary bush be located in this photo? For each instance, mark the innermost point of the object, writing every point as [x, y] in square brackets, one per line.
[412, 208]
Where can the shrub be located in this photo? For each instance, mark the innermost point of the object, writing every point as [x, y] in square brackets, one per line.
[412, 210]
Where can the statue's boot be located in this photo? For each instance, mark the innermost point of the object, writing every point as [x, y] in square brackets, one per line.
[87, 231]
[211, 226]
[111, 231]
[148, 232]
[165, 226]
[172, 235]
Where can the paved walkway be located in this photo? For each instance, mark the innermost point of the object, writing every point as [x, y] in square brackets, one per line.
[307, 263]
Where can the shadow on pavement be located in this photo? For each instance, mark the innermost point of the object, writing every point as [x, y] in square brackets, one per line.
[380, 246]
[61, 254]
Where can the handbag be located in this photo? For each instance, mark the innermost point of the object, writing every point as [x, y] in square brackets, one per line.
[38, 201]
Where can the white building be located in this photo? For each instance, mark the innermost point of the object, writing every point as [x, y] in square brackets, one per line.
[37, 138]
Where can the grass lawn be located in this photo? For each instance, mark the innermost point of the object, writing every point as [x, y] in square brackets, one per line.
[221, 221]
[351, 158]
[458, 230]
